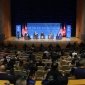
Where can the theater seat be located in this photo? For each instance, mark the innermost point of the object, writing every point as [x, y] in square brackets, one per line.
[76, 82]
[38, 83]
[2, 82]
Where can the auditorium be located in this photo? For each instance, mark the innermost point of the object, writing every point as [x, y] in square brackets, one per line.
[42, 42]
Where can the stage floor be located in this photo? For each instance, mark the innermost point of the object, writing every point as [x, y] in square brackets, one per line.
[62, 42]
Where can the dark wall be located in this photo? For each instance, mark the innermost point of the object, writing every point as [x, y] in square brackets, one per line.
[62, 11]
[1, 31]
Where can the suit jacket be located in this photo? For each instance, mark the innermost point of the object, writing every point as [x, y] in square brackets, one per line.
[5, 76]
[79, 73]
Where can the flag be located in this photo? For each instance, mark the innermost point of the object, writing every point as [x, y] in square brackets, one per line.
[64, 31]
[60, 32]
[24, 30]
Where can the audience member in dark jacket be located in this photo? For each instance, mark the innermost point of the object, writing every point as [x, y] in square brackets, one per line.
[40, 63]
[5, 76]
[79, 72]
[31, 80]
[54, 77]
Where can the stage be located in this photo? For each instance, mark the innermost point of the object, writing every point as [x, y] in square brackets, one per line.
[63, 42]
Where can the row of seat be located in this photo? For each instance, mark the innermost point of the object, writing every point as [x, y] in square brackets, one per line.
[70, 82]
[5, 82]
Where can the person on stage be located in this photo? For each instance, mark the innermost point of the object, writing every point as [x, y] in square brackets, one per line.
[35, 36]
[60, 36]
[50, 36]
[42, 36]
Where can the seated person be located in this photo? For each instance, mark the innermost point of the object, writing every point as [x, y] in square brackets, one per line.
[54, 56]
[74, 60]
[79, 72]
[57, 36]
[54, 77]
[40, 63]
[35, 35]
[21, 81]
[42, 36]
[47, 67]
[41, 48]
[5, 76]
[50, 36]
[46, 54]
[74, 53]
[60, 36]
[31, 80]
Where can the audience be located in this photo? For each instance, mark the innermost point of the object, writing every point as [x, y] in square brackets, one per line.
[54, 61]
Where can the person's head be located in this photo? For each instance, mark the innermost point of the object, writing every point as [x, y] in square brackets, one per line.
[31, 61]
[82, 63]
[48, 64]
[4, 56]
[54, 66]
[2, 68]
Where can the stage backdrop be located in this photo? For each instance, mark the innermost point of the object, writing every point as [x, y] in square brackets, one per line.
[46, 28]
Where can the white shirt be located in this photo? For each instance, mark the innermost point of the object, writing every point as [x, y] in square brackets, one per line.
[73, 54]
